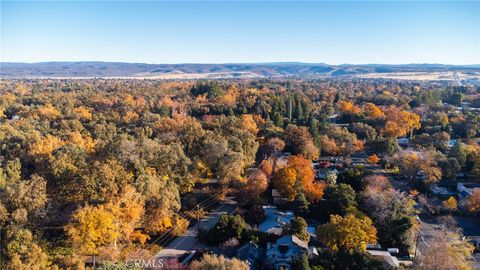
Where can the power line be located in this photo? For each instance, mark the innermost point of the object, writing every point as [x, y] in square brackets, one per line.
[170, 231]
[171, 235]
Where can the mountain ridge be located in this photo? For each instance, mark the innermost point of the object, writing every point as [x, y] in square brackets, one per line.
[205, 70]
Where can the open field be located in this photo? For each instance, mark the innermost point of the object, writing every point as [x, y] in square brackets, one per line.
[424, 76]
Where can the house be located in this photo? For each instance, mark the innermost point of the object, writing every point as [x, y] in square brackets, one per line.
[385, 257]
[452, 143]
[323, 173]
[275, 220]
[465, 105]
[286, 249]
[251, 253]
[402, 141]
[324, 164]
[277, 198]
[441, 191]
[332, 118]
[465, 189]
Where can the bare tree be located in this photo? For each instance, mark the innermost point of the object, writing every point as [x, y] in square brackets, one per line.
[443, 249]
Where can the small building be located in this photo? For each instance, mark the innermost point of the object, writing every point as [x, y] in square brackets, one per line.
[286, 249]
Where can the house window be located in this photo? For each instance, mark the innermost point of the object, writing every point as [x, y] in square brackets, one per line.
[283, 248]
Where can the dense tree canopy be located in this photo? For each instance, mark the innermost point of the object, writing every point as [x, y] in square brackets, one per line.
[116, 161]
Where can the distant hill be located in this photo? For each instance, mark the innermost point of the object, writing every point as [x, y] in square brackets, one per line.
[179, 71]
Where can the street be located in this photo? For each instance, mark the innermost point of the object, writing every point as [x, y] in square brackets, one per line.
[188, 240]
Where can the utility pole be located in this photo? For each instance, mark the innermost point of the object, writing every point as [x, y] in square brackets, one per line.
[416, 245]
[198, 218]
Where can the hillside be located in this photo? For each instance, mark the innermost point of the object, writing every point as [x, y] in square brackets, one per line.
[186, 71]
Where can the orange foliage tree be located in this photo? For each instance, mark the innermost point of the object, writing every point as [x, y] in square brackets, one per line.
[373, 159]
[298, 176]
[347, 107]
[474, 200]
[372, 111]
[399, 122]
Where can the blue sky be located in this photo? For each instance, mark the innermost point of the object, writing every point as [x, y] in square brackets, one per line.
[357, 32]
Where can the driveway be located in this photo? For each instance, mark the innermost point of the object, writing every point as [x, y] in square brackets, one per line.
[188, 240]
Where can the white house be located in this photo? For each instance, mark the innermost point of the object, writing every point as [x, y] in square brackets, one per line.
[286, 249]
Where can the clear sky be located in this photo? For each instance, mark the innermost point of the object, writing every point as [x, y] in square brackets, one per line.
[357, 32]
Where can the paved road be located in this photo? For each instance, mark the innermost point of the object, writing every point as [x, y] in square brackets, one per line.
[188, 241]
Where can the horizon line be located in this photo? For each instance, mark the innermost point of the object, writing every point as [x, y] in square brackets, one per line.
[235, 63]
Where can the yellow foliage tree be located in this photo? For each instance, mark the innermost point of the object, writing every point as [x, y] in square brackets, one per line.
[408, 163]
[48, 112]
[210, 262]
[128, 209]
[97, 229]
[83, 113]
[230, 97]
[180, 225]
[450, 204]
[399, 122]
[24, 253]
[347, 232]
[45, 146]
[92, 228]
[284, 180]
[249, 123]
[84, 142]
[160, 220]
[130, 117]
[128, 101]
